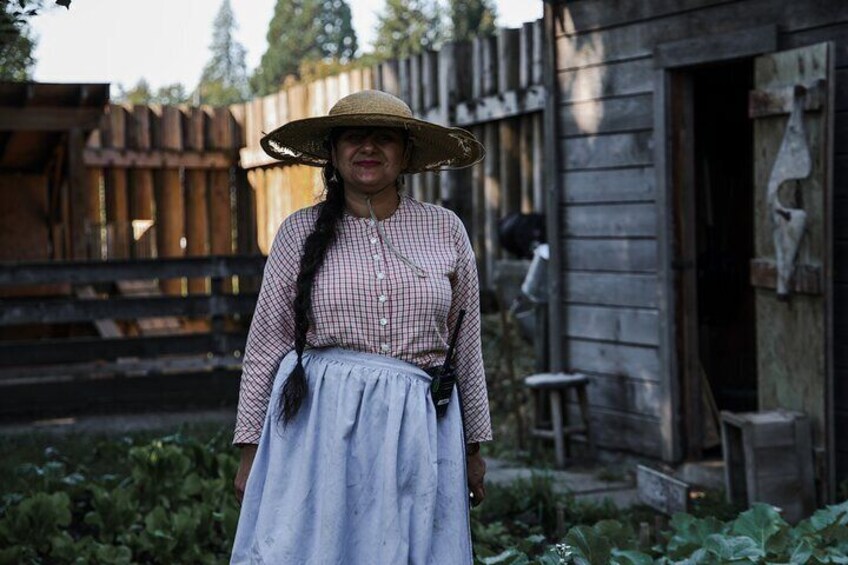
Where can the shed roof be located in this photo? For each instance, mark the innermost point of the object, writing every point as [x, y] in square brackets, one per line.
[35, 117]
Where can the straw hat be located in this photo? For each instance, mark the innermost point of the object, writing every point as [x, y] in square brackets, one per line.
[434, 147]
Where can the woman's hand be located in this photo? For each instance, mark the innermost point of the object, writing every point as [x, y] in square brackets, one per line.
[476, 466]
[248, 452]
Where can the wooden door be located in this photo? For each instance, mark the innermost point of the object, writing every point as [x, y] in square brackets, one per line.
[793, 118]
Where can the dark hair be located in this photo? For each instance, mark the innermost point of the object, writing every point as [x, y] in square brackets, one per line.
[314, 252]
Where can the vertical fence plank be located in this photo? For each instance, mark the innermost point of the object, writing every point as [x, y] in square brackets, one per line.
[377, 77]
[492, 191]
[508, 76]
[368, 79]
[78, 195]
[417, 99]
[220, 209]
[430, 82]
[537, 78]
[404, 81]
[117, 201]
[455, 86]
[141, 187]
[197, 211]
[391, 77]
[525, 150]
[170, 203]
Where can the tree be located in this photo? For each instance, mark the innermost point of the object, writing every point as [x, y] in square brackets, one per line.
[224, 78]
[471, 18]
[171, 95]
[304, 30]
[138, 94]
[16, 43]
[141, 93]
[407, 27]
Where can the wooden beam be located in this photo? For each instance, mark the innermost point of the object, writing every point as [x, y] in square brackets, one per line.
[85, 272]
[501, 106]
[49, 118]
[807, 279]
[777, 101]
[74, 350]
[719, 47]
[160, 159]
[66, 310]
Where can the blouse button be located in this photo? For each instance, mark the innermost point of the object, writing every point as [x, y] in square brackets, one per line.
[373, 240]
[382, 298]
[370, 222]
[376, 256]
[383, 321]
[380, 276]
[384, 346]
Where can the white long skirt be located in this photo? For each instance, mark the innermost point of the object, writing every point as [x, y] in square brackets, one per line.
[365, 473]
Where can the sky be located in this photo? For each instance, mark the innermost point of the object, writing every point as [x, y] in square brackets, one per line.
[167, 41]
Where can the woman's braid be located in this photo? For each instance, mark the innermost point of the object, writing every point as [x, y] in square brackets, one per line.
[314, 252]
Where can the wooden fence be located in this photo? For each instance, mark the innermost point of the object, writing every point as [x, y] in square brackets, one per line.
[492, 86]
[77, 369]
[161, 181]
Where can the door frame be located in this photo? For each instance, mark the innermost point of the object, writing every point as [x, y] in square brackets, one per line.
[670, 61]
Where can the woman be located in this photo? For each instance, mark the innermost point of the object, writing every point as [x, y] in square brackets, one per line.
[359, 295]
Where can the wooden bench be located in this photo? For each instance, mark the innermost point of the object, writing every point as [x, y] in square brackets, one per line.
[555, 387]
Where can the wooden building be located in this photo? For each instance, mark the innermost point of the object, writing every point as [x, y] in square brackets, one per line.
[664, 124]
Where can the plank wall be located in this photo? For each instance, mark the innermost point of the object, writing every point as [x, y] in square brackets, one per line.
[608, 242]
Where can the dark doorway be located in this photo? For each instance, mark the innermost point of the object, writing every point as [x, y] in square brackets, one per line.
[714, 203]
[725, 233]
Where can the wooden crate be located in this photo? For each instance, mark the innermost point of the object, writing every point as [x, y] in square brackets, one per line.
[769, 458]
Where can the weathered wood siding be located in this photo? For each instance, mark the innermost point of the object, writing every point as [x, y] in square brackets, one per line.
[608, 247]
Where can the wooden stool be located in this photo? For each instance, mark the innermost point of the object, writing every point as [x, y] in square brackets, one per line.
[552, 385]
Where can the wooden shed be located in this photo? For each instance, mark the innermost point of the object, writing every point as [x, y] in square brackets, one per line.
[669, 121]
[42, 202]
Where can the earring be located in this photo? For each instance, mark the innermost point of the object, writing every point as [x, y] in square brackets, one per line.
[335, 176]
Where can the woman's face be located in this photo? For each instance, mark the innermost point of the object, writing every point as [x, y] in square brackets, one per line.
[369, 159]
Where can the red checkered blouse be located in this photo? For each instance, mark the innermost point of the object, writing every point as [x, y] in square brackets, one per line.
[365, 298]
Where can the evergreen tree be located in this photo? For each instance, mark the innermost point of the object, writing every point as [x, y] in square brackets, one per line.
[16, 43]
[407, 27]
[471, 18]
[224, 79]
[300, 31]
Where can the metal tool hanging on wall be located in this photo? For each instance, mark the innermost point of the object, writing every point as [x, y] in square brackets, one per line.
[793, 162]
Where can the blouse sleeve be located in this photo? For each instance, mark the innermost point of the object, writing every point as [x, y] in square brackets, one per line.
[271, 334]
[468, 358]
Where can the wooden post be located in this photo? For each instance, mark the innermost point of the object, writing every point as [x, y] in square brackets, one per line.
[170, 207]
[141, 186]
[197, 213]
[79, 195]
[117, 192]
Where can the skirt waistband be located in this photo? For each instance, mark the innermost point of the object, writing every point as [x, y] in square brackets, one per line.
[372, 360]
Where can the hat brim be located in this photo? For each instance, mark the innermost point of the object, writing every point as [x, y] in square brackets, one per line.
[435, 147]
